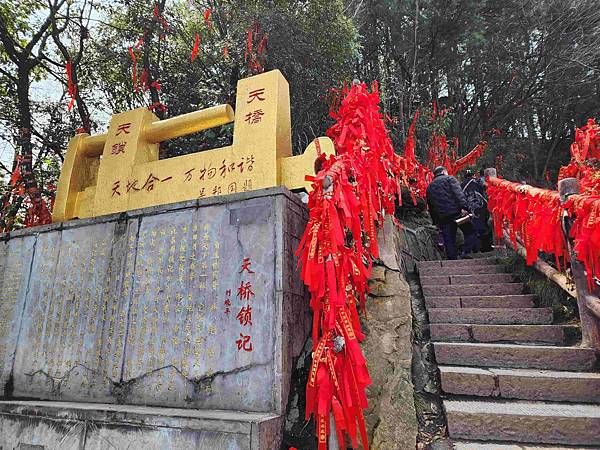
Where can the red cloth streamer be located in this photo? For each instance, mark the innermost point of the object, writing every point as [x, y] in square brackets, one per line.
[16, 174]
[585, 152]
[207, 20]
[534, 216]
[585, 231]
[531, 214]
[468, 160]
[134, 69]
[196, 47]
[352, 192]
[255, 60]
[71, 87]
[249, 43]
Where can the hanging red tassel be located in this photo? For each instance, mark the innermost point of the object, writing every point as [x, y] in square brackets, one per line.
[144, 79]
[260, 49]
[249, 44]
[16, 174]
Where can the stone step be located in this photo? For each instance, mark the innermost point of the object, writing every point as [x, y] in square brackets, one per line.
[498, 316]
[491, 254]
[484, 278]
[473, 289]
[491, 301]
[472, 445]
[515, 356]
[546, 334]
[456, 263]
[58, 425]
[523, 421]
[462, 270]
[525, 384]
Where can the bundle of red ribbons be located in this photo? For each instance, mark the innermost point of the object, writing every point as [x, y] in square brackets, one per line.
[351, 193]
[533, 215]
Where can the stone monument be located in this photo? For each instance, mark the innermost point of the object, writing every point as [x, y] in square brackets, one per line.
[162, 308]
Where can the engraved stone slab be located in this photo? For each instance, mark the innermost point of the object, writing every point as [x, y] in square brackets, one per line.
[79, 426]
[203, 309]
[73, 329]
[193, 306]
[15, 265]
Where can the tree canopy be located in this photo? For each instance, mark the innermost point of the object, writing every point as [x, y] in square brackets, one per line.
[526, 72]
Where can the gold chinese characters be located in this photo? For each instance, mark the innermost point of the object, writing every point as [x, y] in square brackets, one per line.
[120, 170]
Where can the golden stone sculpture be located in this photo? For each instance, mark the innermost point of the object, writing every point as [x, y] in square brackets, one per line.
[120, 170]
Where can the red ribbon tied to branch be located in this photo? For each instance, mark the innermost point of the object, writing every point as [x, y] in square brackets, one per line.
[196, 47]
[71, 87]
[207, 20]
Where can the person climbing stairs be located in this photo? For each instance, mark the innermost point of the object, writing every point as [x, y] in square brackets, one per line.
[508, 374]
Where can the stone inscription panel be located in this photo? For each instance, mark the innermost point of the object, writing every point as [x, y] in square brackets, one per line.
[15, 264]
[71, 344]
[203, 310]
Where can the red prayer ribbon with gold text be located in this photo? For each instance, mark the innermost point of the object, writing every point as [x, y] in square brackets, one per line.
[351, 194]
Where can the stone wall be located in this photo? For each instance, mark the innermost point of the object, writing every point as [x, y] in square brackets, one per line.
[142, 307]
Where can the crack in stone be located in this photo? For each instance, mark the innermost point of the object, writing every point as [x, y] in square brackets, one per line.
[67, 373]
[120, 388]
[194, 380]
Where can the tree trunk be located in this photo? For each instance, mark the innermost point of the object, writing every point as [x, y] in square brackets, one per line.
[532, 147]
[24, 137]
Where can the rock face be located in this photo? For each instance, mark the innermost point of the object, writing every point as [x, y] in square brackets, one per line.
[391, 418]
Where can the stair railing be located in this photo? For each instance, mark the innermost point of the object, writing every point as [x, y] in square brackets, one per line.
[587, 296]
[588, 300]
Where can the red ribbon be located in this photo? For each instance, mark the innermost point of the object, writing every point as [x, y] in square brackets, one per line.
[134, 68]
[207, 20]
[71, 87]
[196, 47]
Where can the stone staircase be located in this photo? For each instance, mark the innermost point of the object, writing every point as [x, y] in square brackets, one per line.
[511, 378]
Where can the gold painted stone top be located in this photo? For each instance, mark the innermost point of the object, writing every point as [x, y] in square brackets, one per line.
[120, 170]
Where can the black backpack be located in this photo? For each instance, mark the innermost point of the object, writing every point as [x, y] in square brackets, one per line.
[475, 200]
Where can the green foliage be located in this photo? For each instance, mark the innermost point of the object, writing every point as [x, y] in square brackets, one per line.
[531, 71]
[312, 43]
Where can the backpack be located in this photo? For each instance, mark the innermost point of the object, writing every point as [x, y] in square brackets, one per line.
[474, 199]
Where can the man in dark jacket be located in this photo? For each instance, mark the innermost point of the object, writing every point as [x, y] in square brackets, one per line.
[447, 202]
[477, 201]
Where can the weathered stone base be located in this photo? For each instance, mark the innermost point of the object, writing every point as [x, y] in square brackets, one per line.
[86, 426]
